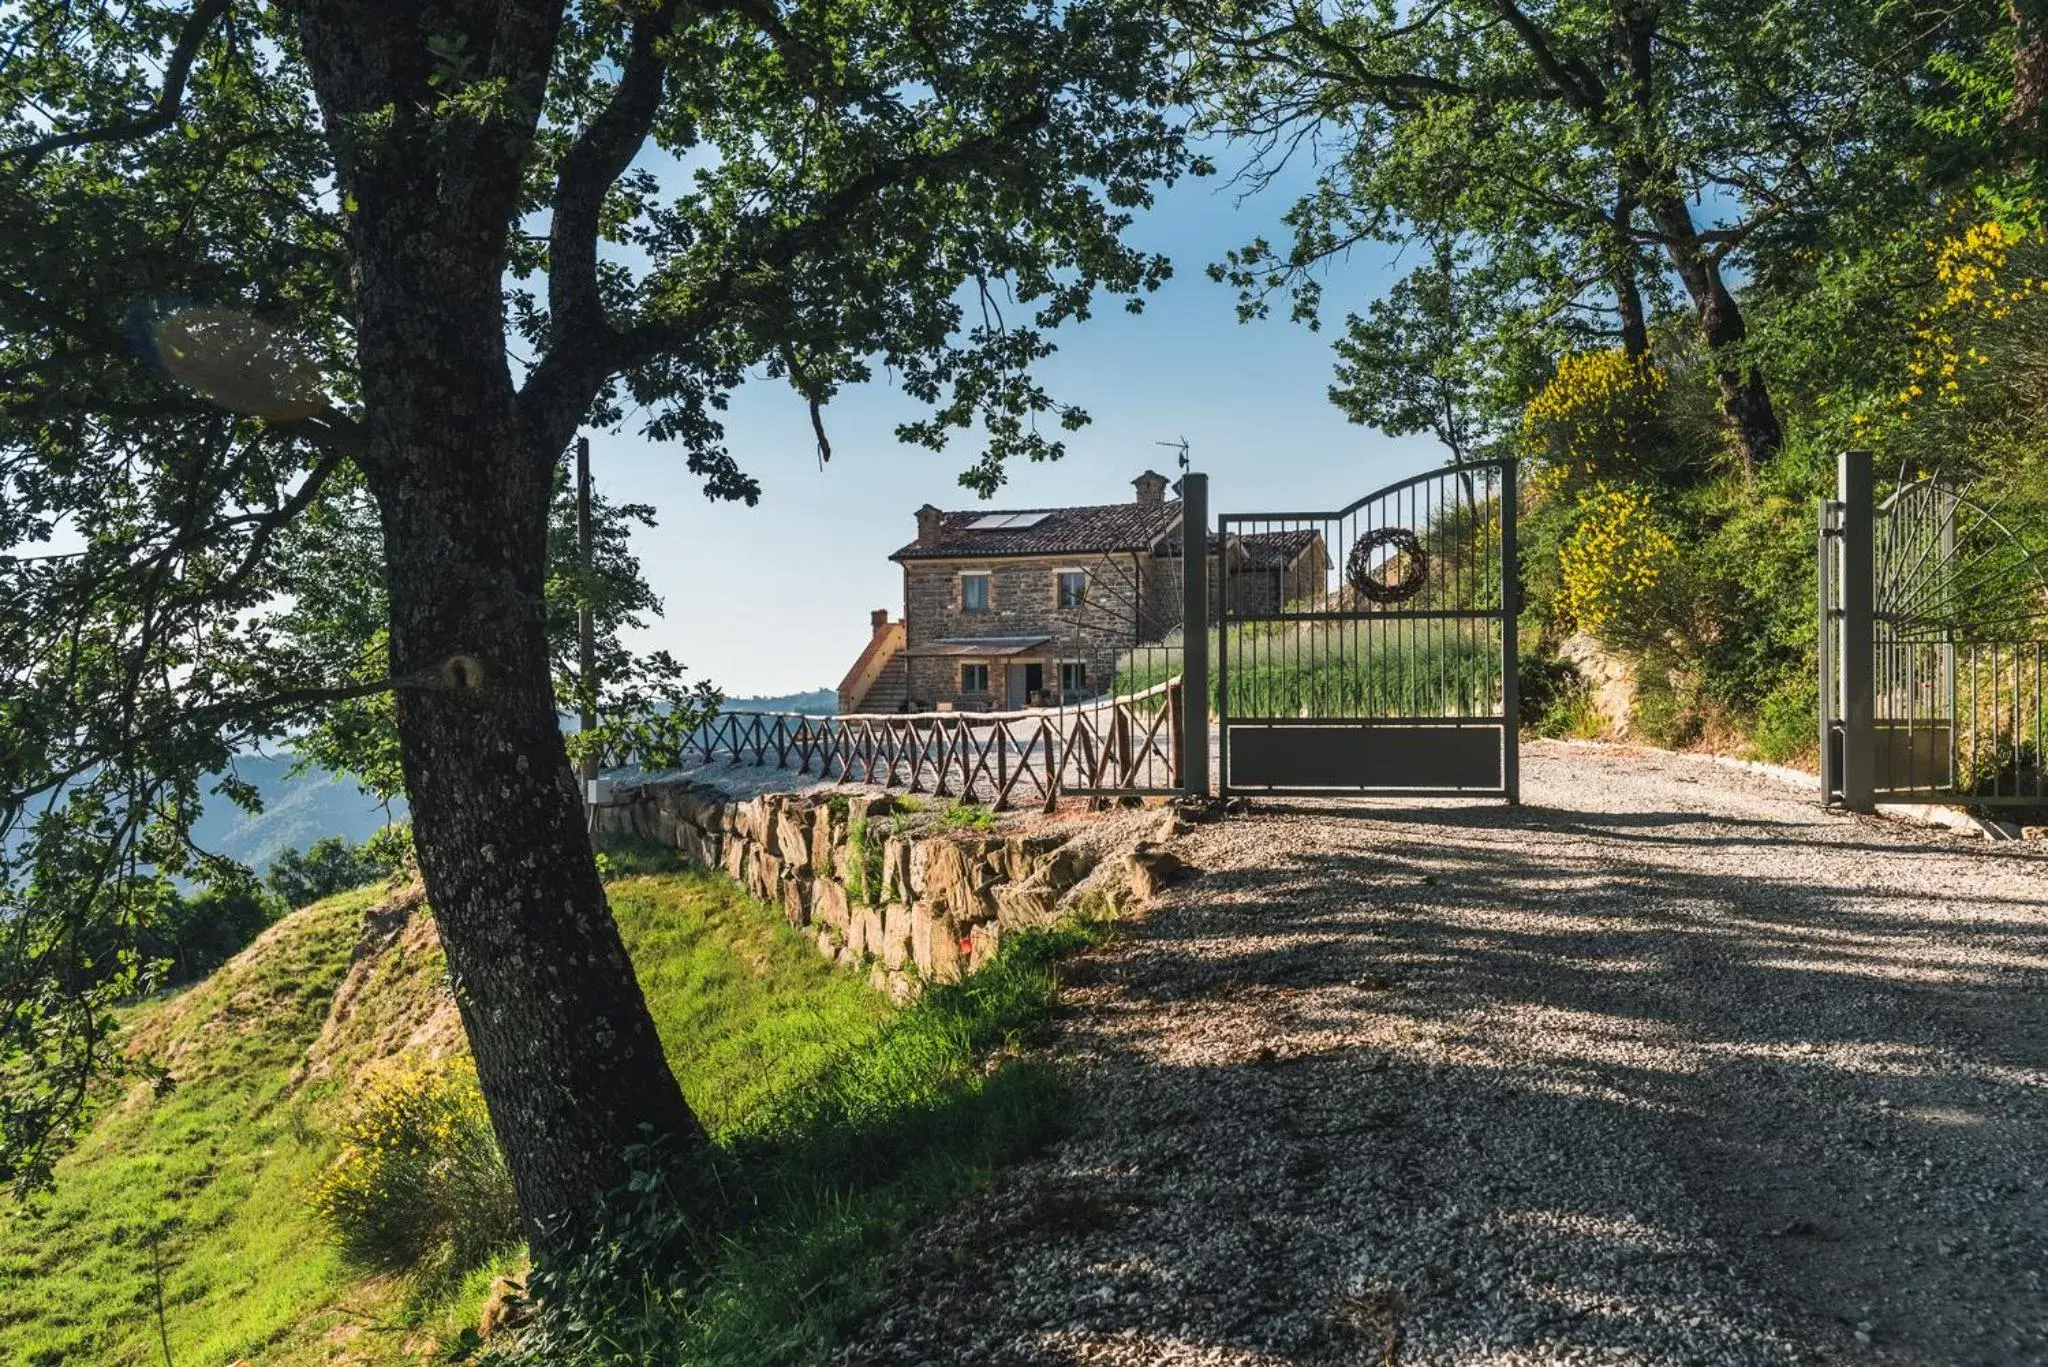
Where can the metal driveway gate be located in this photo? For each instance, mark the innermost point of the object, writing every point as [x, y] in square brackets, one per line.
[1372, 650]
[1934, 632]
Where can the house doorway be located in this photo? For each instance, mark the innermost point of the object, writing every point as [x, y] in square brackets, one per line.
[1026, 682]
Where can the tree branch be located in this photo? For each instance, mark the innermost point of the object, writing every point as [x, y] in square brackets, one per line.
[1573, 80]
[1383, 85]
[651, 338]
[269, 524]
[561, 387]
[247, 713]
[810, 393]
[168, 103]
[274, 705]
[107, 342]
[801, 58]
[591, 167]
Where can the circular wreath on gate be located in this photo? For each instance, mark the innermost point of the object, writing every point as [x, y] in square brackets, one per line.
[1408, 554]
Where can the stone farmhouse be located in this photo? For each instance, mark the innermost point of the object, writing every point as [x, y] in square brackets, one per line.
[1039, 607]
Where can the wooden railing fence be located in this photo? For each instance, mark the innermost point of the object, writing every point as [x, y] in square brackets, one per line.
[1110, 747]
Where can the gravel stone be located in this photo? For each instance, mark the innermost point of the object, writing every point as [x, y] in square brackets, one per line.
[1665, 1066]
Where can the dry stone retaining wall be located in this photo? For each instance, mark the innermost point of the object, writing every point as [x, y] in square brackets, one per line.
[887, 888]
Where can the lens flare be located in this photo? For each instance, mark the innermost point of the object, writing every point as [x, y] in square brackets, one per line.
[239, 362]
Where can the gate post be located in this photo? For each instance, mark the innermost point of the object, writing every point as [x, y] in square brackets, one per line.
[1510, 639]
[1825, 649]
[1854, 488]
[1194, 689]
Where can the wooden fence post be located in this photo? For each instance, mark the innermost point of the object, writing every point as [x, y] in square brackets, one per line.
[1176, 734]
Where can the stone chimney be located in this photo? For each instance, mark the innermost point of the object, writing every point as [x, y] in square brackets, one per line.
[1151, 489]
[928, 523]
[879, 619]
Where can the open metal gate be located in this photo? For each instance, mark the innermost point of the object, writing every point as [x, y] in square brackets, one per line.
[1372, 650]
[1934, 633]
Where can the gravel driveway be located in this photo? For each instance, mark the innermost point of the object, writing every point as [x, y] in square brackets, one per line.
[1666, 1066]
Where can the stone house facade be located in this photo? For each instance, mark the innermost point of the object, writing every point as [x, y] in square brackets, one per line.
[1008, 610]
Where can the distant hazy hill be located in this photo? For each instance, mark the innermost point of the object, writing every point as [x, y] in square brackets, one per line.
[298, 811]
[819, 702]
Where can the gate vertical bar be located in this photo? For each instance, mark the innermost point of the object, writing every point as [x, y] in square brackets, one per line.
[1194, 690]
[1224, 646]
[1854, 486]
[1510, 640]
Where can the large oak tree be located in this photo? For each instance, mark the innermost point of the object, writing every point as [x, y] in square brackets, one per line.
[409, 248]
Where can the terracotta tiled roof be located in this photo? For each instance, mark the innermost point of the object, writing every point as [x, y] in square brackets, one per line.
[1262, 550]
[1057, 531]
[1277, 550]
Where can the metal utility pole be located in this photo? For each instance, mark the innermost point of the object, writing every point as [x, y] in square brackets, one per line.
[586, 628]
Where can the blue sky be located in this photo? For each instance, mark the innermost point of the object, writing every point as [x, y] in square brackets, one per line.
[775, 598]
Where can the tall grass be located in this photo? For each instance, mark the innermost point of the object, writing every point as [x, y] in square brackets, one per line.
[836, 1171]
[420, 1190]
[1296, 668]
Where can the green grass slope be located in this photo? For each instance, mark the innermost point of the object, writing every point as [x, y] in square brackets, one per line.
[746, 1008]
[200, 1182]
[205, 1181]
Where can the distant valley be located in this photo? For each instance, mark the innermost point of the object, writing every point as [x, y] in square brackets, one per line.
[296, 812]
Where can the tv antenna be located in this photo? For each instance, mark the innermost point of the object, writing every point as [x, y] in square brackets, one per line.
[1180, 446]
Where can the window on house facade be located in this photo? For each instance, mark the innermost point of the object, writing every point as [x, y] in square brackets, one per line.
[974, 678]
[1073, 588]
[1073, 676]
[974, 593]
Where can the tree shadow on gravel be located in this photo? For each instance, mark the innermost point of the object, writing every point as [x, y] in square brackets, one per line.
[1437, 1098]
[1534, 817]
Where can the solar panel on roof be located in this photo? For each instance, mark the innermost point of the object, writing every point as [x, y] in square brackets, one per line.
[1004, 522]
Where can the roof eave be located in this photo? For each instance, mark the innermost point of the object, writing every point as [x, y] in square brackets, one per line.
[908, 554]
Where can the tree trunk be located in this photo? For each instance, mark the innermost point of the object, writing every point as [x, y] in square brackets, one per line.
[566, 1051]
[1628, 294]
[1743, 396]
[1635, 327]
[2029, 65]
